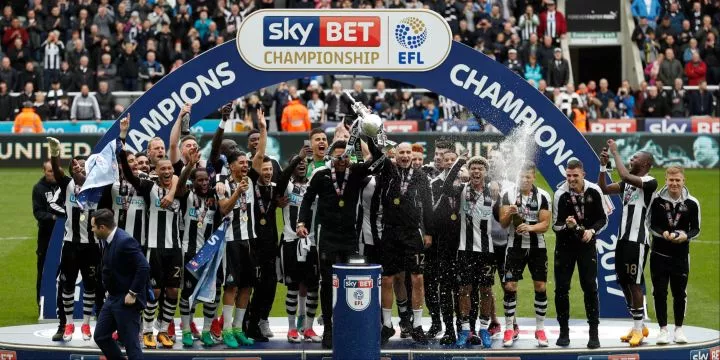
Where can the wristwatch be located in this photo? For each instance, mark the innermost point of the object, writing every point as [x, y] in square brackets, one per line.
[592, 231]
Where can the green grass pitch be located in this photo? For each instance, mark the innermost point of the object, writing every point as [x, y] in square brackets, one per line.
[18, 243]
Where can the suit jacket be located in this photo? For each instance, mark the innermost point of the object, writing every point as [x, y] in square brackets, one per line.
[125, 268]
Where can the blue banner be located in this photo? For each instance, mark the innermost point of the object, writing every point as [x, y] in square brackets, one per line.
[207, 126]
[470, 78]
[204, 265]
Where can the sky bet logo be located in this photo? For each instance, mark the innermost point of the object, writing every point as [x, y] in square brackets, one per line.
[321, 31]
[705, 354]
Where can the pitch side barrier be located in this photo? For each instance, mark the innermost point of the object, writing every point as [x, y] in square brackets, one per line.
[414, 47]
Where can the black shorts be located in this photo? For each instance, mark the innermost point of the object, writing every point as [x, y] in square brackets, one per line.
[294, 271]
[475, 268]
[241, 262]
[190, 281]
[166, 268]
[395, 260]
[630, 260]
[536, 260]
[83, 258]
[499, 255]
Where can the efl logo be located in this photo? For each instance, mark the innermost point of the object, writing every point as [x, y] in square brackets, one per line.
[8, 355]
[321, 31]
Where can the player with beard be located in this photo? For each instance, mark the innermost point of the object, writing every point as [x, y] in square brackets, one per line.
[266, 198]
[163, 238]
[298, 256]
[527, 214]
[578, 215]
[437, 166]
[180, 155]
[236, 196]
[80, 252]
[128, 206]
[142, 164]
[253, 141]
[318, 145]
[218, 169]
[407, 223]
[203, 216]
[475, 261]
[440, 257]
[637, 188]
[674, 217]
[155, 153]
[337, 187]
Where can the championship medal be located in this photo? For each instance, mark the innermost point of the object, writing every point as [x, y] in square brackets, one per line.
[453, 217]
[396, 201]
[341, 203]
[263, 221]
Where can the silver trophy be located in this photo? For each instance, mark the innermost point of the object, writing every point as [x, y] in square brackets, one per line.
[369, 124]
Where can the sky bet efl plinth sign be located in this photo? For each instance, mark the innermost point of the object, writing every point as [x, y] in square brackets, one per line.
[412, 46]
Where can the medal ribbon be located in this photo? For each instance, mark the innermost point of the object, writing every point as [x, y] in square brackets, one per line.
[405, 181]
[669, 214]
[472, 197]
[579, 206]
[261, 204]
[339, 190]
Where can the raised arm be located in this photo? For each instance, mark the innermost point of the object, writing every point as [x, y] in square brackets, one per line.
[214, 159]
[175, 134]
[122, 155]
[449, 188]
[625, 175]
[228, 203]
[286, 174]
[193, 158]
[54, 146]
[257, 160]
[611, 188]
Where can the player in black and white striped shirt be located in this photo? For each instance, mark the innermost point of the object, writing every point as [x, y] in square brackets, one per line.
[163, 239]
[127, 204]
[80, 252]
[475, 261]
[526, 211]
[637, 188]
[237, 198]
[298, 256]
[202, 216]
[53, 55]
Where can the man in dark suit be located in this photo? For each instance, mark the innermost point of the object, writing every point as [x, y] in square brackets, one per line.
[701, 101]
[558, 73]
[125, 276]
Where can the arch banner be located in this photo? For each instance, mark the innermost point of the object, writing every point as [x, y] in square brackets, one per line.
[412, 46]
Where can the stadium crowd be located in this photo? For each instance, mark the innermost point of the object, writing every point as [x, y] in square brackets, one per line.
[52, 48]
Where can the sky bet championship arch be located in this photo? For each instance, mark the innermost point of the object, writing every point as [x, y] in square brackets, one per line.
[412, 46]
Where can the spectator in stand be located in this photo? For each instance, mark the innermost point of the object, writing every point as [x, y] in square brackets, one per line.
[676, 17]
[651, 48]
[530, 48]
[683, 38]
[670, 69]
[664, 29]
[611, 111]
[662, 93]
[484, 31]
[106, 101]
[640, 33]
[652, 70]
[295, 116]
[542, 88]
[669, 43]
[578, 116]
[655, 106]
[695, 70]
[16, 31]
[83, 75]
[251, 111]
[158, 17]
[281, 99]
[359, 94]
[314, 85]
[57, 102]
[53, 51]
[604, 94]
[128, 63]
[30, 74]
[710, 51]
[625, 102]
[66, 75]
[75, 52]
[689, 50]
[316, 107]
[28, 94]
[648, 9]
[529, 22]
[415, 111]
[202, 24]
[133, 27]
[151, 70]
[678, 99]
[104, 19]
[533, 71]
[40, 106]
[465, 35]
[513, 63]
[695, 16]
[266, 99]
[640, 96]
[211, 36]
[27, 121]
[430, 114]
[19, 54]
[56, 22]
[7, 73]
[558, 73]
[337, 103]
[380, 97]
[107, 71]
[6, 102]
[552, 22]
[706, 29]
[701, 101]
[85, 106]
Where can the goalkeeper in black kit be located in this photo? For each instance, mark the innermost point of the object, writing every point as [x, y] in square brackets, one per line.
[578, 215]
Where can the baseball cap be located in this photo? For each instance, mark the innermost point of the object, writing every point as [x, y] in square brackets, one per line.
[557, 50]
